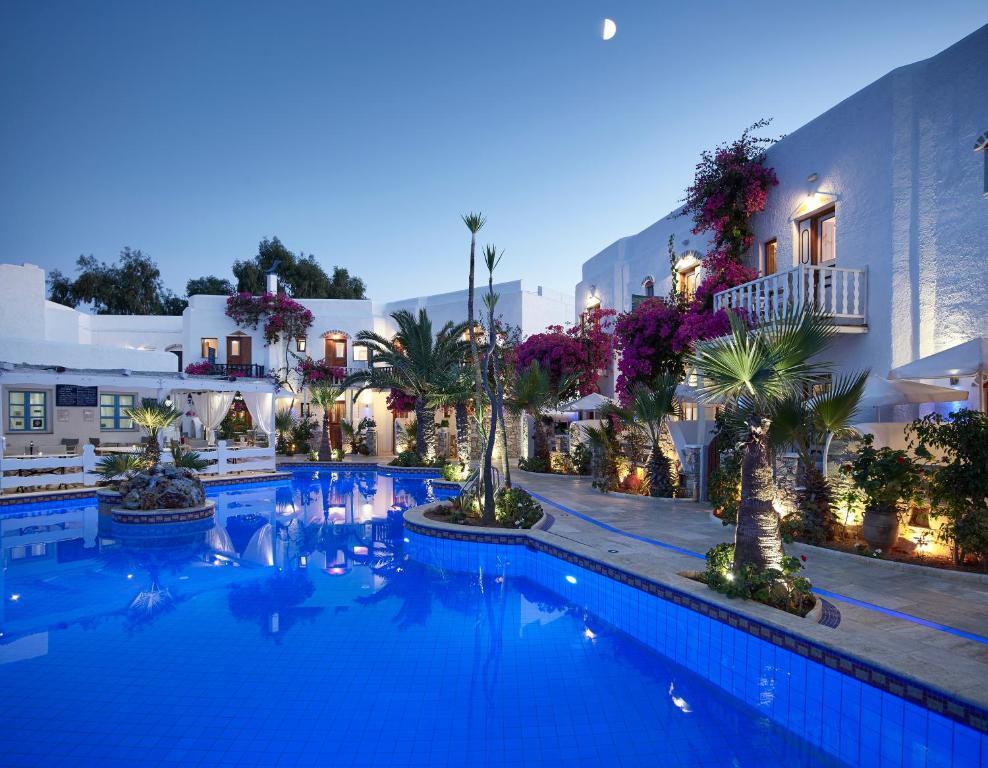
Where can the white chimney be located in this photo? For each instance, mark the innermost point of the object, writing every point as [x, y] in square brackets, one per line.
[272, 285]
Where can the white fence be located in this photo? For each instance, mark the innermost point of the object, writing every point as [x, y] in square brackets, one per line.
[839, 292]
[32, 473]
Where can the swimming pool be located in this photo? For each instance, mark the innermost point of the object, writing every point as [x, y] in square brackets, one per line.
[308, 626]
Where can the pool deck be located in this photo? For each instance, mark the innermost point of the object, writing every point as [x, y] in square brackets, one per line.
[901, 602]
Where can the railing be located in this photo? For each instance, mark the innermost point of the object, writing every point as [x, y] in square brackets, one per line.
[240, 370]
[839, 292]
[32, 473]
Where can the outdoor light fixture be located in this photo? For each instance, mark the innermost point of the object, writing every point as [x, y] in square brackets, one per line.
[300, 344]
[168, 401]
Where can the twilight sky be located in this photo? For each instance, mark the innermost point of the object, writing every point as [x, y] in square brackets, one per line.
[360, 131]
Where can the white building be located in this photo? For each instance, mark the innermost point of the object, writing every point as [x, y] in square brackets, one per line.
[36, 333]
[880, 218]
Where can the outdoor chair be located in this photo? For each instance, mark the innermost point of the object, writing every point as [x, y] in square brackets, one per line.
[71, 444]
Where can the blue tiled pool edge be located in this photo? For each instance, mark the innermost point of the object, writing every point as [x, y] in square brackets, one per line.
[880, 707]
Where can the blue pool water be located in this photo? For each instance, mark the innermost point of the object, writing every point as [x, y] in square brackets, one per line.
[297, 630]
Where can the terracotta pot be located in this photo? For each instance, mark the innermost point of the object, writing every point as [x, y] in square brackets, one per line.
[880, 527]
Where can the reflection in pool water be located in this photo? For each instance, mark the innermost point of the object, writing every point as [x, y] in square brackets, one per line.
[295, 631]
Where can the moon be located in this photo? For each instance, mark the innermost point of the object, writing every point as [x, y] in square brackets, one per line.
[609, 29]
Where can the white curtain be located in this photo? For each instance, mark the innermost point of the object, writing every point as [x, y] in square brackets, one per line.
[212, 407]
[260, 405]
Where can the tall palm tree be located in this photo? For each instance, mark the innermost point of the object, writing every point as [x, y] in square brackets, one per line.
[646, 414]
[325, 396]
[806, 424]
[153, 416]
[533, 393]
[475, 222]
[415, 362]
[755, 370]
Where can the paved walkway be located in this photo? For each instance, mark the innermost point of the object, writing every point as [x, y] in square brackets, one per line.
[933, 623]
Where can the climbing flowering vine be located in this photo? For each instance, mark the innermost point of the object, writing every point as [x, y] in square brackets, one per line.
[283, 316]
[731, 185]
[318, 372]
[400, 403]
[582, 351]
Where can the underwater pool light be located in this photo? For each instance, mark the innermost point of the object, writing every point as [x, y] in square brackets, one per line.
[571, 579]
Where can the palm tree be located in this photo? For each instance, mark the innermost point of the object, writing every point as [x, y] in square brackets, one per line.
[416, 362]
[475, 222]
[325, 396]
[755, 370]
[153, 416]
[532, 393]
[807, 424]
[646, 415]
[455, 388]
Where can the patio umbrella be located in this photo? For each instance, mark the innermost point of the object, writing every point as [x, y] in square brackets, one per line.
[967, 359]
[879, 392]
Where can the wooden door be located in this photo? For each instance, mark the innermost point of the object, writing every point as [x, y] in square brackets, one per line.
[335, 431]
[336, 352]
[238, 350]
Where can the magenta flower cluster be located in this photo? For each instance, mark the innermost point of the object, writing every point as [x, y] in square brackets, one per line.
[199, 369]
[398, 402]
[283, 316]
[319, 372]
[582, 352]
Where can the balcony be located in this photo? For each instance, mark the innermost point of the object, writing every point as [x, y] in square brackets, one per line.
[840, 293]
[237, 370]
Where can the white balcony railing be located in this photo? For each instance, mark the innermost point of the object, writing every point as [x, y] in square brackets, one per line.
[839, 292]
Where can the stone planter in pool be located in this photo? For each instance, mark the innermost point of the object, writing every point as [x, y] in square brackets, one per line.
[158, 516]
[880, 527]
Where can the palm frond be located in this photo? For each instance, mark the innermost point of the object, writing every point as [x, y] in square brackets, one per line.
[474, 221]
[835, 410]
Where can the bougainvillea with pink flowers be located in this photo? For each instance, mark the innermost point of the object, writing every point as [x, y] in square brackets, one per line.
[731, 186]
[318, 372]
[399, 403]
[199, 369]
[283, 316]
[582, 351]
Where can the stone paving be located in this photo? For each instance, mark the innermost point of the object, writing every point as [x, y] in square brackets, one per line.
[957, 664]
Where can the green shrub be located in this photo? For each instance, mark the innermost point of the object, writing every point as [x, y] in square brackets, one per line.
[515, 508]
[784, 589]
[455, 472]
[184, 457]
[581, 459]
[533, 464]
[412, 459]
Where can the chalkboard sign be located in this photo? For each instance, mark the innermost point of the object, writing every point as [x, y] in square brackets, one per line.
[68, 395]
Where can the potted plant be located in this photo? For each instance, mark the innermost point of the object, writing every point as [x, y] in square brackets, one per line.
[887, 478]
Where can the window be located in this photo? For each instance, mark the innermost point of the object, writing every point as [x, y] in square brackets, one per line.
[771, 250]
[360, 353]
[209, 348]
[687, 282]
[336, 351]
[113, 411]
[234, 347]
[27, 411]
[28, 551]
[649, 285]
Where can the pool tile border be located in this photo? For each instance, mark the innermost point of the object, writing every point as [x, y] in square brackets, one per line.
[85, 493]
[930, 698]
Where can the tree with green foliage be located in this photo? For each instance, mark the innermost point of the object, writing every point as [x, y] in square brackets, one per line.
[753, 371]
[415, 362]
[132, 286]
[806, 425]
[154, 416]
[208, 286]
[325, 396]
[532, 392]
[301, 276]
[648, 407]
[958, 479]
